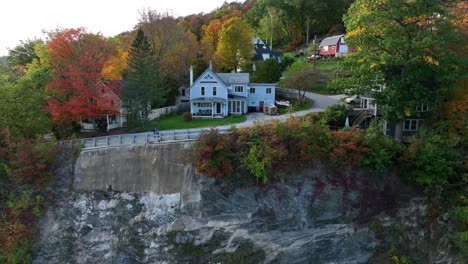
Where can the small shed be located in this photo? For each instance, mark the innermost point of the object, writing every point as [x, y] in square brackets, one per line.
[333, 46]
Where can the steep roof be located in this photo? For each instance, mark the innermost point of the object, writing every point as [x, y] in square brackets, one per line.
[333, 40]
[261, 48]
[232, 78]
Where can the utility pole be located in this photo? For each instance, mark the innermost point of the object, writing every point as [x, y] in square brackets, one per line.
[314, 50]
[271, 33]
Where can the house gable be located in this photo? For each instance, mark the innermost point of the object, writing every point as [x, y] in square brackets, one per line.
[208, 85]
[208, 77]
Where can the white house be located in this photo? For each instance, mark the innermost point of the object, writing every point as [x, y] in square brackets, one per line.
[111, 91]
[216, 95]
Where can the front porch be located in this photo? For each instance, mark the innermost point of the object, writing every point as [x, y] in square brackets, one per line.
[209, 107]
[105, 123]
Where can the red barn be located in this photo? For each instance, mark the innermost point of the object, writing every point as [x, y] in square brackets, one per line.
[333, 46]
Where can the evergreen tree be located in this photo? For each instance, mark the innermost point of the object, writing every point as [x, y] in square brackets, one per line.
[141, 88]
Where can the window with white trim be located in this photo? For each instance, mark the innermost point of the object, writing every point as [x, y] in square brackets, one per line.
[204, 105]
[252, 90]
[268, 90]
[203, 91]
[413, 124]
[422, 108]
[214, 91]
[239, 89]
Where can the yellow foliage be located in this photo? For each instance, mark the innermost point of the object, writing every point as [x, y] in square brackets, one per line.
[115, 66]
[354, 33]
[460, 12]
[431, 60]
[407, 111]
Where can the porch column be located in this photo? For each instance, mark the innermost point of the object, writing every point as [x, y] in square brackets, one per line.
[107, 119]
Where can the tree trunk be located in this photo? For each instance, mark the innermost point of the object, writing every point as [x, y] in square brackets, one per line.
[399, 131]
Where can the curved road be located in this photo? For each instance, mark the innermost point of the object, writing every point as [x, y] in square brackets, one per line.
[320, 102]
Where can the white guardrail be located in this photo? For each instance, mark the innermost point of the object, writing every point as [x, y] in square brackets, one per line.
[137, 138]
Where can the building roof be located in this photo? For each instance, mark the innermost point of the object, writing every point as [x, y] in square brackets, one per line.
[261, 48]
[333, 40]
[208, 99]
[233, 78]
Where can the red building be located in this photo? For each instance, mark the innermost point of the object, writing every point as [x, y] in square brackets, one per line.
[333, 46]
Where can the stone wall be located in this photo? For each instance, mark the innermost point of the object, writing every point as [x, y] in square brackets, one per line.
[157, 168]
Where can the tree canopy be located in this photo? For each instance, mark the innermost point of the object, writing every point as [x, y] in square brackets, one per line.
[402, 51]
[78, 58]
[268, 71]
[235, 44]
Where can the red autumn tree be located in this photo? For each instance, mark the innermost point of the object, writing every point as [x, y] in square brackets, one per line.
[78, 59]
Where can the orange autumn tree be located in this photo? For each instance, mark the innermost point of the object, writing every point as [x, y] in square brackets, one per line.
[78, 59]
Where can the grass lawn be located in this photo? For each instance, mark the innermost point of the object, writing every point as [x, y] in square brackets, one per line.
[327, 70]
[177, 122]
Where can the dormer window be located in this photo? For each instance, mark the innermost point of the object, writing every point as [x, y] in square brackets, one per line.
[239, 89]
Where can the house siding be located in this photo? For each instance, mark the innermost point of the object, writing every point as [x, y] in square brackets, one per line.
[260, 95]
[227, 100]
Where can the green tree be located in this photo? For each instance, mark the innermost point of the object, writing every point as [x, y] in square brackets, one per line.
[298, 77]
[22, 104]
[140, 89]
[22, 55]
[268, 71]
[403, 51]
[235, 44]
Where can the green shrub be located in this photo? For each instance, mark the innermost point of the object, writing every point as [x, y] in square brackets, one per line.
[335, 115]
[382, 150]
[432, 159]
[460, 239]
[258, 162]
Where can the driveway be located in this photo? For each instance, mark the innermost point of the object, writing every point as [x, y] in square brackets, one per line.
[320, 102]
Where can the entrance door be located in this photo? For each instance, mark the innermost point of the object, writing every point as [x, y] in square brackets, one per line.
[260, 108]
[218, 108]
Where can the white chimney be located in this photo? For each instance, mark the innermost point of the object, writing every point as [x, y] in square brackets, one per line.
[191, 75]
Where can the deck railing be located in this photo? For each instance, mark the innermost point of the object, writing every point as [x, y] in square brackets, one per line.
[137, 138]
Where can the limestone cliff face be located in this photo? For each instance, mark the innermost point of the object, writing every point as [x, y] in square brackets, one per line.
[314, 216]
